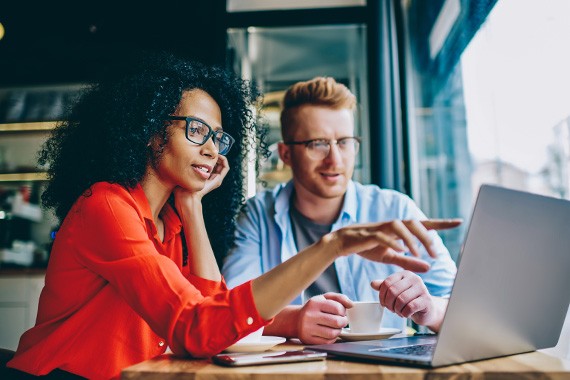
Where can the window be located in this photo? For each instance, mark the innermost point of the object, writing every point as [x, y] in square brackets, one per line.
[486, 100]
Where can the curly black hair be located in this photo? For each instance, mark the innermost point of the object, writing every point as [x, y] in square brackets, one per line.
[106, 134]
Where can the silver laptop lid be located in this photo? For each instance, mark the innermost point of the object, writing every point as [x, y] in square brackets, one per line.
[512, 289]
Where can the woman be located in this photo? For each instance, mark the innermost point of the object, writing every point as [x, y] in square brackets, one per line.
[131, 273]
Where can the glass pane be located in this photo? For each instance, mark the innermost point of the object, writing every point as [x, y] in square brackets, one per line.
[275, 58]
[487, 101]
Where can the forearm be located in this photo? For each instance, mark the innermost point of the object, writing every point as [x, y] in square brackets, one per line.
[285, 323]
[202, 261]
[277, 288]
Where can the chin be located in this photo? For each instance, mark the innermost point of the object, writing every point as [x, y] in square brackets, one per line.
[332, 193]
[193, 187]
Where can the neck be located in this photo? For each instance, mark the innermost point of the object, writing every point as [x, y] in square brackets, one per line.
[318, 209]
[156, 193]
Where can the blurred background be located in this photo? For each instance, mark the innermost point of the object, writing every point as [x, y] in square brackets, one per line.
[452, 93]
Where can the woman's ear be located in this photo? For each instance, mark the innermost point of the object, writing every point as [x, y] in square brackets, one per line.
[155, 147]
[154, 143]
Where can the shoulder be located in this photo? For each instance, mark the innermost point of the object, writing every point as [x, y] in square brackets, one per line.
[105, 191]
[267, 199]
[259, 207]
[105, 197]
[260, 199]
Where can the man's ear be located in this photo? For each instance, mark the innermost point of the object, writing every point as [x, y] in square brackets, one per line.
[284, 153]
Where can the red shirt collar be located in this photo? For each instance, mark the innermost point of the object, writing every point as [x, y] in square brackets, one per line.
[172, 223]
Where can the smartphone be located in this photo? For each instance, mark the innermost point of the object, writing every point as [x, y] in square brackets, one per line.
[268, 357]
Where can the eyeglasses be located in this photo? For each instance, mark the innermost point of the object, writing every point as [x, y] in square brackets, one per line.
[319, 149]
[198, 132]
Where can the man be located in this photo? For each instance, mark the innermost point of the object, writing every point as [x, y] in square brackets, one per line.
[317, 126]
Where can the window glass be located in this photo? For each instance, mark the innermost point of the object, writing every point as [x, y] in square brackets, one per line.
[487, 101]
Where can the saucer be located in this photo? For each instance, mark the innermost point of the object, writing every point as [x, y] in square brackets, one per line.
[384, 333]
[264, 344]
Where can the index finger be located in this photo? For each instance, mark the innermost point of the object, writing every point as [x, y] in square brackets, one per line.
[423, 236]
[340, 298]
[333, 306]
[441, 224]
[222, 164]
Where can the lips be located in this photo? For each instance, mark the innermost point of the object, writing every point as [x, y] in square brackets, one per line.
[203, 168]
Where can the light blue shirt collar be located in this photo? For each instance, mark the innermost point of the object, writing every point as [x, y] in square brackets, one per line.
[348, 213]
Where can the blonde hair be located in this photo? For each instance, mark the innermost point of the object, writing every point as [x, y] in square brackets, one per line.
[319, 91]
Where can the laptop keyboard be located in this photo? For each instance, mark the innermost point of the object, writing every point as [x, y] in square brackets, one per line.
[416, 350]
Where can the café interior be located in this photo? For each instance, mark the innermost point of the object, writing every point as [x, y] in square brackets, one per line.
[452, 94]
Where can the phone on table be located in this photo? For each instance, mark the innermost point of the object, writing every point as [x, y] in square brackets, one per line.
[268, 357]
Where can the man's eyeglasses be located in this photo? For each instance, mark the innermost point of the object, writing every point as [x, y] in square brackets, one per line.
[198, 132]
[319, 149]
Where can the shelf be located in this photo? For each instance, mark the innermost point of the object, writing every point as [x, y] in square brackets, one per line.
[24, 127]
[20, 177]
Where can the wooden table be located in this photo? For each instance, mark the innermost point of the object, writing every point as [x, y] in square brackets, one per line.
[535, 365]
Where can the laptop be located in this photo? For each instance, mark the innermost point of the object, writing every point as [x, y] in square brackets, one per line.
[511, 292]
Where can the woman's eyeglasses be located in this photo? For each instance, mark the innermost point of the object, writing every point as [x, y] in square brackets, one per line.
[198, 132]
[319, 149]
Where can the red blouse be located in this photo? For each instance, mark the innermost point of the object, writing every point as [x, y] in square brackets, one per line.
[116, 295]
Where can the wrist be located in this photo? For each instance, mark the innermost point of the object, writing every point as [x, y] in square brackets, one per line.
[437, 314]
[191, 205]
[285, 323]
[332, 243]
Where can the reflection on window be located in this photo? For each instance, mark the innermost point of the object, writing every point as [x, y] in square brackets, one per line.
[487, 100]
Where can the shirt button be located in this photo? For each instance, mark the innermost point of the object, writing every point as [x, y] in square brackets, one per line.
[250, 321]
[160, 344]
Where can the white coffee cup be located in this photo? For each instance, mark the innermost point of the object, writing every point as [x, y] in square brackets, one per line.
[254, 337]
[365, 317]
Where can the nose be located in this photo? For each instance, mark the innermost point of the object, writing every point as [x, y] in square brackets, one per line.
[209, 148]
[335, 154]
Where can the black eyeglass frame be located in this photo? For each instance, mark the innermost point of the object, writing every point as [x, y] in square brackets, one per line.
[211, 133]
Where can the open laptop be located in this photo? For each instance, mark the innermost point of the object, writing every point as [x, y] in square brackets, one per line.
[511, 292]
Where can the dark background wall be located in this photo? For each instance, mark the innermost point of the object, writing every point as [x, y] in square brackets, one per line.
[49, 42]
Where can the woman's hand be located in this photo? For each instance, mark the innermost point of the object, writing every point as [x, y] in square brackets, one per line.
[185, 201]
[218, 174]
[183, 196]
[201, 261]
[386, 242]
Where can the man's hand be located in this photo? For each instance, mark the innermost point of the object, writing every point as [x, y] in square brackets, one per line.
[405, 294]
[322, 317]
